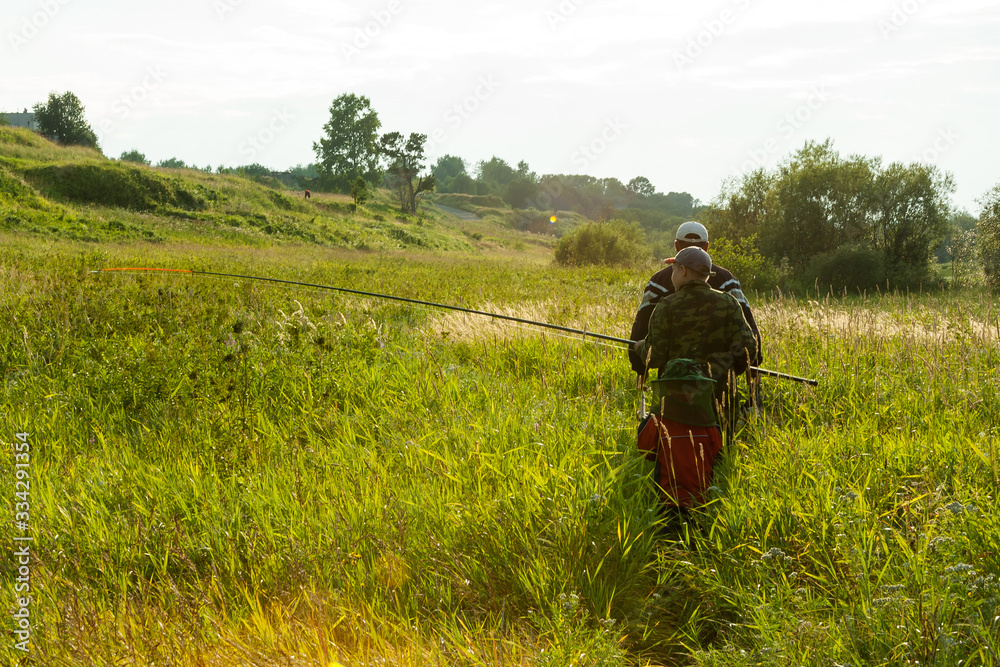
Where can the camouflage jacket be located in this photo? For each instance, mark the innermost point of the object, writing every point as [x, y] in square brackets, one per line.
[700, 323]
[659, 286]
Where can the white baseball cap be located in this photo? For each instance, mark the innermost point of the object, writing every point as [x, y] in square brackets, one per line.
[692, 232]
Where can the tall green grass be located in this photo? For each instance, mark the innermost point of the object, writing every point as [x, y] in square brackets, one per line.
[234, 473]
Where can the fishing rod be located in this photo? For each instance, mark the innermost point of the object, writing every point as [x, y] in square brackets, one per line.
[461, 309]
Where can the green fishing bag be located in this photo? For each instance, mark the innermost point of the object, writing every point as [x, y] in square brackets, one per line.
[684, 393]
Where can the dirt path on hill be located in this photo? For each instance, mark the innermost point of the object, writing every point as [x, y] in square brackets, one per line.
[458, 213]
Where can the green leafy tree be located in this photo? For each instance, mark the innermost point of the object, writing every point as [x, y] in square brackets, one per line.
[134, 156]
[448, 167]
[818, 203]
[359, 191]
[739, 210]
[172, 163]
[960, 224]
[988, 237]
[350, 146]
[462, 183]
[520, 193]
[616, 193]
[641, 186]
[496, 174]
[909, 212]
[524, 172]
[405, 160]
[62, 119]
[820, 206]
[964, 257]
[307, 171]
[254, 170]
[674, 203]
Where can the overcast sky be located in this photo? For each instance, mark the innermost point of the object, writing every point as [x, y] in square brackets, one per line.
[686, 94]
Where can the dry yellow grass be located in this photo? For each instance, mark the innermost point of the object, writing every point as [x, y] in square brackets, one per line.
[920, 322]
[604, 318]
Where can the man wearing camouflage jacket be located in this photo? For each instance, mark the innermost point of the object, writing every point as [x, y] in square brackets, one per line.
[700, 323]
[689, 234]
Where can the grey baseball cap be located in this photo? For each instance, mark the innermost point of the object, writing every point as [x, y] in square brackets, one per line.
[693, 258]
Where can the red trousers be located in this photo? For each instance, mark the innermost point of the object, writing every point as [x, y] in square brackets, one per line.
[684, 456]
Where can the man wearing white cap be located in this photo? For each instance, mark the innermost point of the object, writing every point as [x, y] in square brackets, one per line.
[690, 233]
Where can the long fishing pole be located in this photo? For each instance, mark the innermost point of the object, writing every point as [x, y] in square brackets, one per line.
[461, 309]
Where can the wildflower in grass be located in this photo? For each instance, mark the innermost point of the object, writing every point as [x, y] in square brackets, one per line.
[569, 602]
[774, 553]
[983, 586]
[848, 497]
[939, 542]
[955, 507]
[960, 568]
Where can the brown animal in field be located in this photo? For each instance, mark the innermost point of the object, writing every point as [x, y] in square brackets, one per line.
[308, 194]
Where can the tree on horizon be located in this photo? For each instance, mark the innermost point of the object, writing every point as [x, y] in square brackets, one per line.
[349, 148]
[61, 119]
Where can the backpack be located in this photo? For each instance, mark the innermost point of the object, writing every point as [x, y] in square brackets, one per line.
[683, 438]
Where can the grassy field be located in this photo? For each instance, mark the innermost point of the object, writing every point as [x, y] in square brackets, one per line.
[227, 472]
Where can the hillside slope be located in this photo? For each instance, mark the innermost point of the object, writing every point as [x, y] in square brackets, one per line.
[76, 193]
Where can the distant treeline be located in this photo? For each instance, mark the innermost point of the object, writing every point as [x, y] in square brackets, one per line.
[352, 147]
[851, 223]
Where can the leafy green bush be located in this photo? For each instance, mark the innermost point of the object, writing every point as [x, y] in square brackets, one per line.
[359, 192]
[988, 237]
[134, 156]
[849, 268]
[603, 243]
[913, 277]
[754, 271]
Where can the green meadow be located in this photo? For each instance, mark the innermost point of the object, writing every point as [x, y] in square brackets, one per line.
[231, 472]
